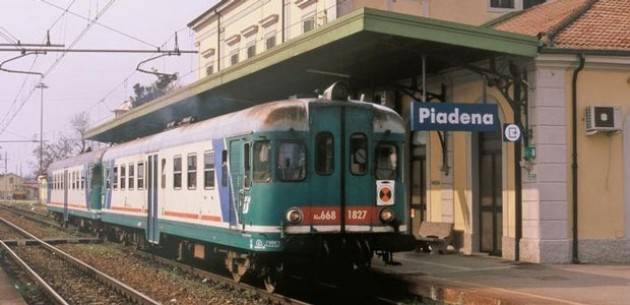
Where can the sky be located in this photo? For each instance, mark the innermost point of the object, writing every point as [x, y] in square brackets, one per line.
[95, 82]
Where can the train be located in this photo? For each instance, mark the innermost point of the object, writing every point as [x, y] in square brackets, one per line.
[277, 184]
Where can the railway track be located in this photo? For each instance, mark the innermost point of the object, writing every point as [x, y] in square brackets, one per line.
[326, 293]
[208, 276]
[81, 284]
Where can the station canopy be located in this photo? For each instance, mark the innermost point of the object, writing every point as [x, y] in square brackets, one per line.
[367, 47]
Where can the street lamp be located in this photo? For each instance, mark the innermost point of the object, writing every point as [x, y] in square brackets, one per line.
[41, 86]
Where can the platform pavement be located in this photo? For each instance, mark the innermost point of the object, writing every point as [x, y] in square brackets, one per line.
[8, 294]
[467, 280]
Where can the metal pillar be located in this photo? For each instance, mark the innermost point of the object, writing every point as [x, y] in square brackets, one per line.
[518, 188]
[41, 86]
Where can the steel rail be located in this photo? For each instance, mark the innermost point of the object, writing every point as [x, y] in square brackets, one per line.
[113, 283]
[275, 298]
[39, 281]
[29, 215]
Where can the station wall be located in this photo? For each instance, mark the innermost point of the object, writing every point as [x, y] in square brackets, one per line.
[452, 196]
[602, 188]
[603, 165]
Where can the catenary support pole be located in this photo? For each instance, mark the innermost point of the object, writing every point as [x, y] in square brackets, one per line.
[41, 86]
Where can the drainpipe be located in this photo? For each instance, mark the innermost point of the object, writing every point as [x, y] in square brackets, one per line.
[218, 40]
[282, 25]
[574, 162]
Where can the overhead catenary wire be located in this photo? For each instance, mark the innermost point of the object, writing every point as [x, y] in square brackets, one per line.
[8, 122]
[92, 22]
[102, 100]
[8, 36]
[23, 85]
[252, 10]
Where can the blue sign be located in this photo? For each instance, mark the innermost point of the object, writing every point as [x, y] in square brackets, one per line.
[454, 117]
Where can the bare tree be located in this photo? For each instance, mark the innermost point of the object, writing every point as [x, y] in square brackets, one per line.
[80, 123]
[62, 148]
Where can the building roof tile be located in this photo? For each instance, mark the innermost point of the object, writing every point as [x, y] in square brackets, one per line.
[576, 24]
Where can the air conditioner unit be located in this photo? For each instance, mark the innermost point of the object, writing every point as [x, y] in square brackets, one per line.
[602, 119]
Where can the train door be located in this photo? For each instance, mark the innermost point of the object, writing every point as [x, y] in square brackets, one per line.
[342, 163]
[240, 172]
[326, 140]
[490, 193]
[65, 195]
[153, 231]
[360, 186]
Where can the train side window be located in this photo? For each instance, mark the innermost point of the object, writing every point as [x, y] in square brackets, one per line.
[191, 178]
[107, 179]
[177, 172]
[324, 154]
[291, 163]
[247, 166]
[386, 161]
[163, 173]
[224, 168]
[131, 176]
[208, 169]
[140, 175]
[115, 180]
[262, 161]
[358, 154]
[123, 176]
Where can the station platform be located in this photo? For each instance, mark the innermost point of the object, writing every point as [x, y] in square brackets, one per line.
[8, 294]
[467, 280]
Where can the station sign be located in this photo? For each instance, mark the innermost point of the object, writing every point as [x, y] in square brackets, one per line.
[454, 117]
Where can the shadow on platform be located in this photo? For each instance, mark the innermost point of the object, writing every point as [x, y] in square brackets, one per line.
[458, 279]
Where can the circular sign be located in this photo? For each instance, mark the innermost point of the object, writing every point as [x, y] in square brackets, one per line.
[512, 132]
[385, 194]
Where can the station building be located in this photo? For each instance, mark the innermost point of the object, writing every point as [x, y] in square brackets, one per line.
[560, 70]
[234, 30]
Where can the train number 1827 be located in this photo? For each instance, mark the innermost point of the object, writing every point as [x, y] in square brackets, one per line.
[357, 214]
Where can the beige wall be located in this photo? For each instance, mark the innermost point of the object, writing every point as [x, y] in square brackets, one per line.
[600, 157]
[10, 182]
[450, 198]
[475, 12]
[240, 16]
[411, 7]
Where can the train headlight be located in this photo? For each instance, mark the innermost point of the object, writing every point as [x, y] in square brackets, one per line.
[387, 215]
[295, 216]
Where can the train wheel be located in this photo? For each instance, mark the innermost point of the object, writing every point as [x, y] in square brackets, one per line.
[237, 266]
[272, 277]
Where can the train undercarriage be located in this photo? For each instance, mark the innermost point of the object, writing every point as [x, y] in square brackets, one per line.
[313, 256]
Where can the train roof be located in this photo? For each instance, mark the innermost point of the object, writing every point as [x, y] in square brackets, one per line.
[272, 116]
[85, 158]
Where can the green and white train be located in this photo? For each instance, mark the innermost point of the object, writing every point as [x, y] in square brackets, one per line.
[300, 179]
